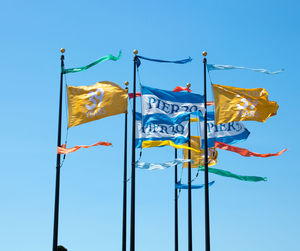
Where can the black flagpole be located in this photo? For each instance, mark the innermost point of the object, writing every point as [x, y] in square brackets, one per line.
[207, 231]
[176, 208]
[125, 183]
[190, 243]
[132, 214]
[56, 206]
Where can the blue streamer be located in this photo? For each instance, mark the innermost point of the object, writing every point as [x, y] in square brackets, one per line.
[211, 67]
[183, 61]
[178, 185]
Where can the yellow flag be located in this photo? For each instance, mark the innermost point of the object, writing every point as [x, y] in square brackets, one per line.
[198, 157]
[89, 103]
[237, 104]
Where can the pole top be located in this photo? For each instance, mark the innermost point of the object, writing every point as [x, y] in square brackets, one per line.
[62, 50]
[188, 85]
[204, 53]
[135, 52]
[126, 83]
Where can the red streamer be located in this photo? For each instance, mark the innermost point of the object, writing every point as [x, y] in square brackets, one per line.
[245, 152]
[177, 89]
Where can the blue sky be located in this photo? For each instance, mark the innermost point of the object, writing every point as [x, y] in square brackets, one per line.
[244, 216]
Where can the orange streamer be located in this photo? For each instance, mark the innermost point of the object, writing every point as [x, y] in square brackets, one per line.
[64, 150]
[245, 152]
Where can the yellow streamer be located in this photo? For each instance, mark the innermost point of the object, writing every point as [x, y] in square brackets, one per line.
[151, 143]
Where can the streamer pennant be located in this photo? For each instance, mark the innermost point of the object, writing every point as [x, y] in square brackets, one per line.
[160, 166]
[183, 61]
[177, 89]
[245, 152]
[167, 107]
[211, 67]
[232, 175]
[105, 58]
[151, 143]
[178, 185]
[64, 150]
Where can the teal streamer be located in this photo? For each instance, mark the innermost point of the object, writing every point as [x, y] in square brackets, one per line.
[232, 175]
[211, 67]
[178, 185]
[104, 58]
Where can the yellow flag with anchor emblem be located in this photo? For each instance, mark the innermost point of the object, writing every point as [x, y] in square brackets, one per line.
[238, 104]
[89, 103]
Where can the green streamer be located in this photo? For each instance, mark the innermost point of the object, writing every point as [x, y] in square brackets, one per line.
[232, 175]
[105, 58]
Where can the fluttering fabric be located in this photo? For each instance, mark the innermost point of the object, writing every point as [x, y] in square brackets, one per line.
[160, 166]
[177, 89]
[89, 103]
[181, 89]
[198, 157]
[178, 185]
[104, 58]
[211, 67]
[245, 152]
[183, 61]
[137, 94]
[239, 104]
[64, 150]
[178, 133]
[232, 175]
[167, 107]
[229, 133]
[151, 143]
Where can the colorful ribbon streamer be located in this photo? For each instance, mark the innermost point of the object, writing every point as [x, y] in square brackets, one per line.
[64, 150]
[105, 58]
[181, 89]
[232, 175]
[152, 143]
[160, 166]
[245, 152]
[211, 67]
[178, 185]
[137, 94]
[183, 61]
[177, 89]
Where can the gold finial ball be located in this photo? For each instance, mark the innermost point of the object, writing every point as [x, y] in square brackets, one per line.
[62, 50]
[188, 85]
[126, 83]
[204, 53]
[135, 52]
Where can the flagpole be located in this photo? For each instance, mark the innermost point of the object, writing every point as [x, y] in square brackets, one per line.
[125, 183]
[176, 208]
[132, 213]
[57, 183]
[207, 230]
[190, 241]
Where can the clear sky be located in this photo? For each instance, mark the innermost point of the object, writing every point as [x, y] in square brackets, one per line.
[244, 216]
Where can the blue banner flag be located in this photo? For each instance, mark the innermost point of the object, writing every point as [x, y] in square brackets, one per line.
[178, 133]
[228, 133]
[183, 61]
[167, 107]
[212, 67]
